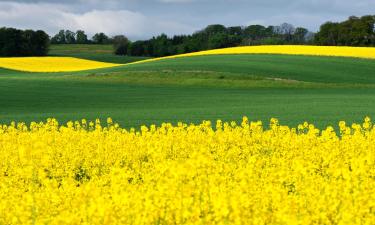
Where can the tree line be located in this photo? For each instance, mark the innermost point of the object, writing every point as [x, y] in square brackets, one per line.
[355, 31]
[80, 37]
[213, 37]
[15, 42]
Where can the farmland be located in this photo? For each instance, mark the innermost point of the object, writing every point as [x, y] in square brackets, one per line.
[205, 139]
[186, 112]
[322, 90]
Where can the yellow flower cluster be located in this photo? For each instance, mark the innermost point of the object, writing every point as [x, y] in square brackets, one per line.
[339, 51]
[228, 173]
[51, 64]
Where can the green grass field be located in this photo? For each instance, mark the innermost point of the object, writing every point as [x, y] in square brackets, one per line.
[294, 89]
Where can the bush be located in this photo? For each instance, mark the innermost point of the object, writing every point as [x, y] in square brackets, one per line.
[121, 45]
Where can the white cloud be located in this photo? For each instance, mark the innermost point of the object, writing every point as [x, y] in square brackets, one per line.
[53, 17]
[108, 21]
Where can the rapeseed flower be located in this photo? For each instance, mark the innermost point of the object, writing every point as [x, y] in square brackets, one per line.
[336, 51]
[92, 173]
[52, 64]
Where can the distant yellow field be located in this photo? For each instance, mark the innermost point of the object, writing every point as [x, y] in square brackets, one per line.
[52, 64]
[69, 64]
[355, 52]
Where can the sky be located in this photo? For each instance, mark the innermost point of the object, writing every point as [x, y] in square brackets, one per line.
[142, 19]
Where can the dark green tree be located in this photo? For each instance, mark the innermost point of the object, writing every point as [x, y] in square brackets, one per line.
[100, 38]
[70, 37]
[215, 29]
[81, 37]
[161, 46]
[14, 42]
[328, 34]
[137, 49]
[255, 32]
[218, 40]
[355, 31]
[235, 31]
[59, 38]
[121, 44]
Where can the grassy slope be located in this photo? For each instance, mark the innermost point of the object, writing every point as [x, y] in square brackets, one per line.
[301, 68]
[180, 92]
[102, 53]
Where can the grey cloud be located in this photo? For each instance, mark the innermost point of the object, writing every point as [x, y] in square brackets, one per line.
[52, 17]
[144, 18]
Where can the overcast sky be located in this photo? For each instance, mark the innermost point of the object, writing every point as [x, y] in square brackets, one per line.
[140, 19]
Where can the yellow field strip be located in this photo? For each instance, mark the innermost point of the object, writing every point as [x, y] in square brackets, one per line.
[354, 52]
[52, 64]
[70, 64]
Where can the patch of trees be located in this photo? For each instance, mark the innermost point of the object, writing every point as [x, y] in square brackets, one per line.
[218, 36]
[356, 31]
[79, 37]
[15, 42]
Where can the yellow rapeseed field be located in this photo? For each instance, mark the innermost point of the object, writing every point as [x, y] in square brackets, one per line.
[339, 51]
[223, 173]
[52, 64]
[69, 64]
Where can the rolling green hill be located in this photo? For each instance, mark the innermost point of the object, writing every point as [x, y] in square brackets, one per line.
[322, 90]
[282, 68]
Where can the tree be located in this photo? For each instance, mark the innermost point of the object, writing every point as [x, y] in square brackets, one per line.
[28, 47]
[299, 36]
[137, 49]
[255, 32]
[64, 37]
[179, 39]
[218, 40]
[197, 42]
[161, 46]
[70, 37]
[218, 36]
[121, 44]
[309, 38]
[236, 31]
[36, 43]
[100, 38]
[59, 38]
[328, 34]
[41, 42]
[355, 31]
[14, 43]
[81, 37]
[215, 29]
[287, 31]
